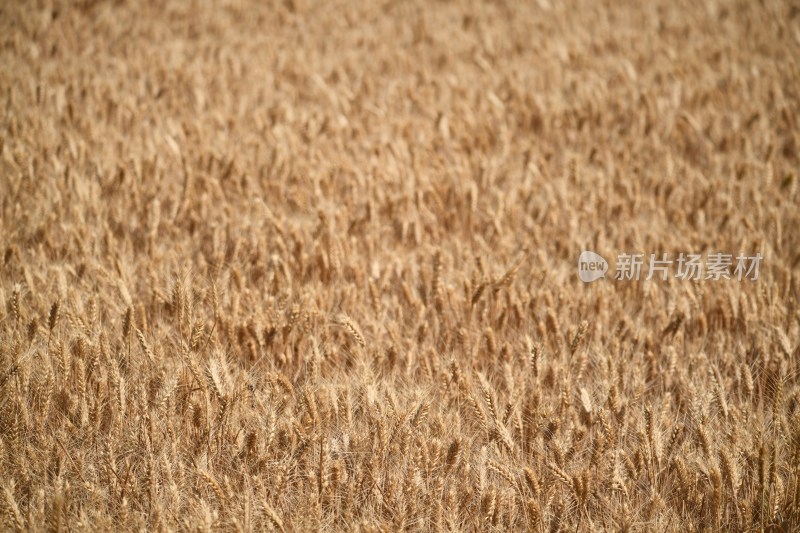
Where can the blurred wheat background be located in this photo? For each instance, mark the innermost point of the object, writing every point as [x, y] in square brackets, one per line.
[311, 266]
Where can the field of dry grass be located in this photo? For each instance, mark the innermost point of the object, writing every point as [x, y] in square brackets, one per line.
[305, 266]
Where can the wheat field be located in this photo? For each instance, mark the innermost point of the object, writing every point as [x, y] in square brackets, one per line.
[313, 266]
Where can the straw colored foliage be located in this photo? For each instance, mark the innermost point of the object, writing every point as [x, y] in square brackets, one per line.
[302, 266]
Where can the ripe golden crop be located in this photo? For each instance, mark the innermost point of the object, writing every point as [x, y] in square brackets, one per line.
[313, 266]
